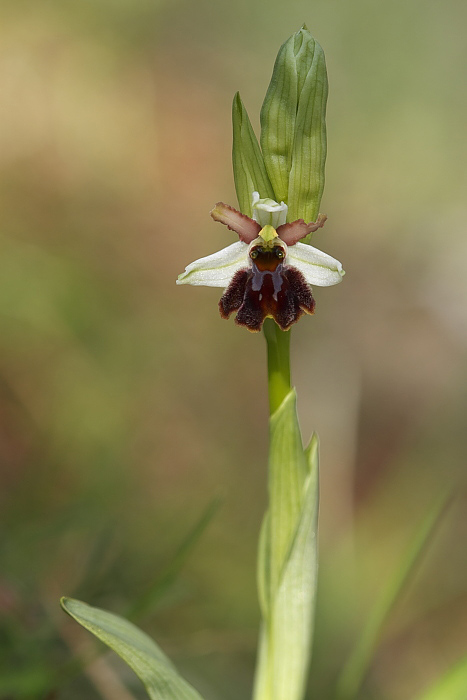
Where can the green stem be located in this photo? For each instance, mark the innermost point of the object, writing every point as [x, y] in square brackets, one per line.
[278, 344]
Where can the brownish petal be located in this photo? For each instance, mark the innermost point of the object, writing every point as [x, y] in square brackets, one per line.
[300, 290]
[252, 311]
[294, 300]
[296, 230]
[232, 299]
[246, 228]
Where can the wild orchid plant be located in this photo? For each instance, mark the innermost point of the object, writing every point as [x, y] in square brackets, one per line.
[267, 276]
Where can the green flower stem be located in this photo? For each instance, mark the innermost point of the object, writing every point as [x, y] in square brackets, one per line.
[287, 556]
[278, 344]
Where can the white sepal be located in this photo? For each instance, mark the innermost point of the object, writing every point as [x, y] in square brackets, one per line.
[317, 267]
[216, 270]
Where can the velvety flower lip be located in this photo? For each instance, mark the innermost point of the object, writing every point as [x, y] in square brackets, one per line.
[268, 272]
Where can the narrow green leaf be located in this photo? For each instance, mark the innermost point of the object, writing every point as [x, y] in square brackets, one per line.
[292, 617]
[150, 664]
[278, 115]
[306, 180]
[151, 598]
[354, 671]
[312, 454]
[248, 165]
[262, 686]
[451, 686]
[286, 636]
[287, 473]
[264, 566]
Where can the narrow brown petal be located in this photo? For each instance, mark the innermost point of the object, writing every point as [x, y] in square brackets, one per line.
[246, 228]
[294, 300]
[301, 290]
[252, 312]
[232, 299]
[296, 230]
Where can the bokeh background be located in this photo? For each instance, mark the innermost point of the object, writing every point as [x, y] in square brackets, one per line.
[133, 429]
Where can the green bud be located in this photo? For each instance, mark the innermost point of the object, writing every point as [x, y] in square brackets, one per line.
[248, 166]
[293, 127]
[278, 115]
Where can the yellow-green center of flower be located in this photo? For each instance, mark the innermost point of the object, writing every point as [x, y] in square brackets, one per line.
[268, 234]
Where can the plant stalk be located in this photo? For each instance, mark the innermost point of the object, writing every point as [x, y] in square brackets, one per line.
[278, 346]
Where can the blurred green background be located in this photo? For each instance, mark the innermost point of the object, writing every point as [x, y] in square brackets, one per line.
[127, 406]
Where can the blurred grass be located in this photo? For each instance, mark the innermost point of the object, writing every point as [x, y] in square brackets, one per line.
[126, 404]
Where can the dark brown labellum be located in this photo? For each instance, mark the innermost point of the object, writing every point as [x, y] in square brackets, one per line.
[268, 288]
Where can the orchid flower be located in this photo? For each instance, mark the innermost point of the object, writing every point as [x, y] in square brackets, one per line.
[268, 272]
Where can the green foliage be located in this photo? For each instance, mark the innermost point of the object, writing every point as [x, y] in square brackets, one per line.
[278, 115]
[293, 126]
[248, 165]
[287, 565]
[150, 664]
[290, 167]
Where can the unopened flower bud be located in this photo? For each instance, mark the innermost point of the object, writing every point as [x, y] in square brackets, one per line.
[293, 128]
